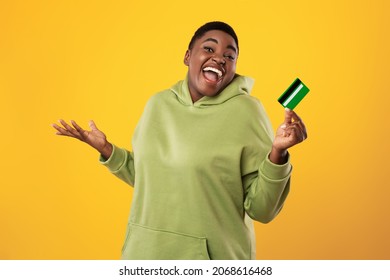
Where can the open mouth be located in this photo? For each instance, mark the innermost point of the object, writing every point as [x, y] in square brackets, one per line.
[212, 74]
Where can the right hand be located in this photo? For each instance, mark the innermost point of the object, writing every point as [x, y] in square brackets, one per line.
[95, 138]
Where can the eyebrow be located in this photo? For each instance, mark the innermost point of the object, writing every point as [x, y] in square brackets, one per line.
[216, 41]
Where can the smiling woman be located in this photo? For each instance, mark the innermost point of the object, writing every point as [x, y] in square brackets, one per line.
[211, 62]
[205, 162]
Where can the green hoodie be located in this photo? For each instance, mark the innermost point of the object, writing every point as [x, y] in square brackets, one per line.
[200, 173]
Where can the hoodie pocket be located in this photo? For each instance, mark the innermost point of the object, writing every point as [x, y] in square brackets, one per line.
[145, 243]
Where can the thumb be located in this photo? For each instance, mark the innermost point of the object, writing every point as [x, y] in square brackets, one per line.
[92, 125]
[288, 116]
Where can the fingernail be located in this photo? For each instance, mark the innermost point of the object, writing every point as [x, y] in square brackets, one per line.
[283, 126]
[287, 109]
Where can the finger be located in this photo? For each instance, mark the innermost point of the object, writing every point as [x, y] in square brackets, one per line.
[56, 127]
[77, 127]
[66, 125]
[302, 129]
[70, 129]
[297, 132]
[295, 116]
[299, 121]
[61, 131]
[83, 133]
[288, 115]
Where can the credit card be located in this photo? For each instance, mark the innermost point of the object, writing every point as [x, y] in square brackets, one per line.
[294, 94]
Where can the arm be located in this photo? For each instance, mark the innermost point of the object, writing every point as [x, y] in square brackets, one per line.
[94, 138]
[268, 187]
[121, 164]
[266, 190]
[119, 161]
[290, 133]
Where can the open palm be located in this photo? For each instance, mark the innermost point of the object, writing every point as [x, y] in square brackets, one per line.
[94, 137]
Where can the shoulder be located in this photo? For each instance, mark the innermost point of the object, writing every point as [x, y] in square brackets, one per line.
[249, 105]
[159, 99]
[249, 110]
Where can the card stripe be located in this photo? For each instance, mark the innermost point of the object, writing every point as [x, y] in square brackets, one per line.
[290, 90]
[293, 95]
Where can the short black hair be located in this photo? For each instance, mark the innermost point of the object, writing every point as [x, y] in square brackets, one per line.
[213, 25]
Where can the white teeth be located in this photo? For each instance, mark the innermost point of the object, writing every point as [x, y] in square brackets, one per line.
[218, 72]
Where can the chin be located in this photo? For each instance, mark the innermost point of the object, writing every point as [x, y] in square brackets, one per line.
[212, 91]
[211, 94]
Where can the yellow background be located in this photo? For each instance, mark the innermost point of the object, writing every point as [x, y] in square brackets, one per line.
[102, 60]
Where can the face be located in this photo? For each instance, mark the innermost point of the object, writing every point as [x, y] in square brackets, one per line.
[211, 64]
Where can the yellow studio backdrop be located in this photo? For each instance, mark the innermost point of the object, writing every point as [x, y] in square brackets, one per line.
[102, 60]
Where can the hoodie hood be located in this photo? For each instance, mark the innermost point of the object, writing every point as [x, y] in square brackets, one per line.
[240, 85]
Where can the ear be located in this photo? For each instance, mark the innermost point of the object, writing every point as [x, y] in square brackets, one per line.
[187, 57]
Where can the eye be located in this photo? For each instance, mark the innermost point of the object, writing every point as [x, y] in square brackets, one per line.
[230, 57]
[208, 49]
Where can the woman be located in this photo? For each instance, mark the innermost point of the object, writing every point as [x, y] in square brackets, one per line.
[205, 162]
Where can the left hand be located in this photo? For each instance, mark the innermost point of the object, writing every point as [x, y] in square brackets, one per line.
[290, 133]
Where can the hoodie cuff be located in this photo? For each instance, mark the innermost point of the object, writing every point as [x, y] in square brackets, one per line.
[276, 171]
[116, 160]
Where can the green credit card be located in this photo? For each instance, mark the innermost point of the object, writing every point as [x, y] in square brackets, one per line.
[294, 94]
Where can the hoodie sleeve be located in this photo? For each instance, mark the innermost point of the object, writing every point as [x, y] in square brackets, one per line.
[266, 190]
[266, 184]
[121, 164]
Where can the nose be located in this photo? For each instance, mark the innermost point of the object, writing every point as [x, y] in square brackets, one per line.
[219, 59]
